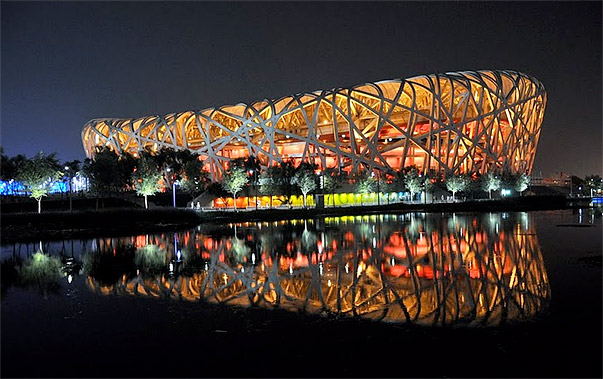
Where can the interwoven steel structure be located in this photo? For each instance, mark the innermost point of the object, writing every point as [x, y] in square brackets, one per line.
[458, 122]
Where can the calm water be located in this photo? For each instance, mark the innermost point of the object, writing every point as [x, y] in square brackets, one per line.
[504, 279]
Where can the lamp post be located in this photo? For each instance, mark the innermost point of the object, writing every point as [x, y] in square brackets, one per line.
[378, 190]
[255, 186]
[168, 170]
[68, 172]
[378, 179]
[322, 186]
[174, 192]
[252, 173]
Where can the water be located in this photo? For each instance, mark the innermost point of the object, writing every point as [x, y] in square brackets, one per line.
[439, 289]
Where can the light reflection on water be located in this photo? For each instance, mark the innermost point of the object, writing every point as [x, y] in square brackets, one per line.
[429, 269]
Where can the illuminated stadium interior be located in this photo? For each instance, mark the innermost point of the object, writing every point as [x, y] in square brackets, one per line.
[458, 122]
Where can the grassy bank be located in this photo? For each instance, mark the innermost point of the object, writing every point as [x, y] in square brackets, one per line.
[88, 223]
[128, 221]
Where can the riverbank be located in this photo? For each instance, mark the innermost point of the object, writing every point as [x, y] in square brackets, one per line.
[127, 221]
[16, 227]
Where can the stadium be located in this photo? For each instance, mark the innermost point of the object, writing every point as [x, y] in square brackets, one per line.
[456, 122]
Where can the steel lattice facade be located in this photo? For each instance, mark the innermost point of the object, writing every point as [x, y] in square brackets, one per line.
[459, 122]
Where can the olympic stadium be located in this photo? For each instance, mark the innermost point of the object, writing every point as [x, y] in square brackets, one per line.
[456, 122]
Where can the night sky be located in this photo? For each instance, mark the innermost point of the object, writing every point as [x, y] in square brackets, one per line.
[64, 63]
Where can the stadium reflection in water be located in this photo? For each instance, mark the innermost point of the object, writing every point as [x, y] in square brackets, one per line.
[428, 269]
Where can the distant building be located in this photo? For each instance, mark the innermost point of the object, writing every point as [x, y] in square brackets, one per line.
[457, 122]
[558, 179]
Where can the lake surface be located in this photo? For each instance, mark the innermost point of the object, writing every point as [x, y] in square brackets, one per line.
[464, 294]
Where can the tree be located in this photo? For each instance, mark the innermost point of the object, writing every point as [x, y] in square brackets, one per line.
[252, 167]
[457, 183]
[366, 184]
[249, 164]
[171, 163]
[306, 181]
[521, 183]
[195, 178]
[42, 271]
[71, 169]
[594, 183]
[37, 175]
[146, 178]
[102, 172]
[234, 180]
[413, 181]
[329, 180]
[281, 176]
[397, 182]
[126, 164]
[267, 184]
[9, 168]
[430, 186]
[475, 184]
[490, 182]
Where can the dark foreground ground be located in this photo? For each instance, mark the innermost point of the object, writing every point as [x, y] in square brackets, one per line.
[56, 225]
[81, 334]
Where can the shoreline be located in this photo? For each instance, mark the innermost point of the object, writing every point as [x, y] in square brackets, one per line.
[23, 227]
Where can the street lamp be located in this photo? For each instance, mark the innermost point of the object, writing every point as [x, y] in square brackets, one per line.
[68, 172]
[174, 191]
[174, 183]
[378, 190]
[255, 187]
[378, 177]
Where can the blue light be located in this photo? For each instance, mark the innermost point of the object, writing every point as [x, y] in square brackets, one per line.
[11, 187]
[17, 188]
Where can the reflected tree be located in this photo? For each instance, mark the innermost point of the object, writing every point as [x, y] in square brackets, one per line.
[150, 258]
[42, 272]
[437, 271]
[109, 264]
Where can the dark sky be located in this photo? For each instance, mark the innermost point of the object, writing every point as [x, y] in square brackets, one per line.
[64, 63]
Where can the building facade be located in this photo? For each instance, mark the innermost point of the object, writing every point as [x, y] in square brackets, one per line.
[458, 122]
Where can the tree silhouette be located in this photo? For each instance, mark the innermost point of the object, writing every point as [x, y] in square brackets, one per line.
[71, 169]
